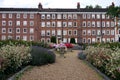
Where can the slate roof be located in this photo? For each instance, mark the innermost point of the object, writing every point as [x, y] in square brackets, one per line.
[53, 10]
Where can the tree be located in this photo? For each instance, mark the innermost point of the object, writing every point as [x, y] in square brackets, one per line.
[98, 6]
[72, 40]
[89, 7]
[113, 11]
[53, 39]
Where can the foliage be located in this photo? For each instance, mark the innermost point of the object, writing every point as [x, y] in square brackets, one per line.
[21, 42]
[98, 6]
[53, 39]
[105, 59]
[14, 58]
[41, 56]
[72, 40]
[81, 55]
[89, 7]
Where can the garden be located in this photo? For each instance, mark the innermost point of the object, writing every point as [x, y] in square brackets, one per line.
[105, 57]
[16, 55]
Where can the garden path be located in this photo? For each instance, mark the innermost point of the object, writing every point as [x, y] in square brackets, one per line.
[69, 68]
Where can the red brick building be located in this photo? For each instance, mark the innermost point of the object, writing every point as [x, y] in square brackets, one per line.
[39, 24]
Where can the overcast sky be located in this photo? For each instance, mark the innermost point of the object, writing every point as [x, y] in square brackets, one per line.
[56, 3]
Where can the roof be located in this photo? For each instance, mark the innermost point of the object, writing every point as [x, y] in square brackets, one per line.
[54, 10]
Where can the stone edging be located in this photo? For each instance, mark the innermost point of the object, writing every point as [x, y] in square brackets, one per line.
[98, 71]
[21, 71]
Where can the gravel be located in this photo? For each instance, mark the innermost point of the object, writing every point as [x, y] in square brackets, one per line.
[69, 68]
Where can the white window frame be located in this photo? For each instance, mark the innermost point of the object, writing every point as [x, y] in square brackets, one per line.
[48, 33]
[53, 16]
[42, 16]
[24, 23]
[53, 24]
[17, 23]
[43, 33]
[84, 24]
[112, 32]
[24, 37]
[98, 24]
[48, 16]
[4, 23]
[31, 23]
[84, 16]
[93, 23]
[31, 37]
[31, 30]
[17, 15]
[94, 32]
[17, 30]
[10, 15]
[74, 16]
[69, 24]
[24, 30]
[70, 16]
[74, 24]
[64, 24]
[53, 32]
[107, 24]
[3, 37]
[3, 15]
[69, 32]
[25, 15]
[42, 24]
[17, 37]
[84, 32]
[9, 23]
[3, 30]
[64, 16]
[59, 16]
[74, 32]
[48, 24]
[88, 24]
[9, 30]
[64, 32]
[59, 32]
[31, 16]
[59, 24]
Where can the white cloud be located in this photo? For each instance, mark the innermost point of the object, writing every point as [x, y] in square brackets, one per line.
[56, 3]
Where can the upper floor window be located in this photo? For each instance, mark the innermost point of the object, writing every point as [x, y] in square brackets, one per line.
[48, 33]
[3, 15]
[31, 16]
[69, 24]
[59, 24]
[103, 24]
[74, 32]
[98, 16]
[31, 23]
[53, 16]
[3, 37]
[53, 32]
[69, 32]
[64, 24]
[18, 16]
[31, 30]
[107, 24]
[98, 23]
[107, 32]
[93, 16]
[43, 16]
[9, 30]
[84, 16]
[17, 30]
[3, 23]
[58, 16]
[103, 16]
[48, 16]
[17, 23]
[3, 30]
[89, 32]
[75, 24]
[69, 16]
[112, 32]
[9, 23]
[112, 24]
[64, 16]
[10, 15]
[24, 15]
[88, 16]
[24, 23]
[48, 24]
[84, 32]
[43, 33]
[93, 32]
[42, 24]
[74, 16]
[31, 37]
[24, 30]
[64, 32]
[93, 24]
[53, 24]
[88, 23]
[84, 24]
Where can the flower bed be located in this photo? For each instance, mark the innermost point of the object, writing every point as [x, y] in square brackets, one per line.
[106, 60]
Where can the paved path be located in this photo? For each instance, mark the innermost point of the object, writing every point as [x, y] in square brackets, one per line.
[69, 68]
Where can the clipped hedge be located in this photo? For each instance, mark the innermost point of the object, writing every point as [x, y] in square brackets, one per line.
[41, 56]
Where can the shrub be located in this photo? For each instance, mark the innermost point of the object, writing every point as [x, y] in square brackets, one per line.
[81, 55]
[41, 56]
[105, 59]
[14, 57]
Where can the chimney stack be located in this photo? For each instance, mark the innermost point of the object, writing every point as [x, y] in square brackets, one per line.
[78, 5]
[113, 4]
[40, 6]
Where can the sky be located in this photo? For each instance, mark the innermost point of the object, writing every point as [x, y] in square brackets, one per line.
[56, 3]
